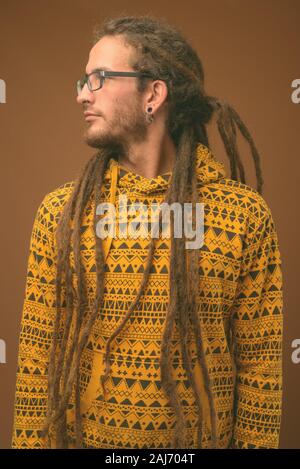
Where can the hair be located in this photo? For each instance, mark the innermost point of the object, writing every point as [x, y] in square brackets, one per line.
[161, 52]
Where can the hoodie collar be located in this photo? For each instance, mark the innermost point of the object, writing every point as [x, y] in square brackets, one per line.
[207, 167]
[142, 185]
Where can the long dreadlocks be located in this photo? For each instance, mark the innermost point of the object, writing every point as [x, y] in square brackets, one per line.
[164, 54]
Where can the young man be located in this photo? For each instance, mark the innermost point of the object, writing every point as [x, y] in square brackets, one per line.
[139, 341]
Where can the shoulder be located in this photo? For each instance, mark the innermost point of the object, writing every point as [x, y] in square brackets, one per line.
[57, 198]
[243, 198]
[242, 207]
[53, 203]
[46, 218]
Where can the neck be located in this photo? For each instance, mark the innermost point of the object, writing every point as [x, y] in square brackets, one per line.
[152, 157]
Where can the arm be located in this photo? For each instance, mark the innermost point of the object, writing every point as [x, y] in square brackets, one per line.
[35, 335]
[257, 323]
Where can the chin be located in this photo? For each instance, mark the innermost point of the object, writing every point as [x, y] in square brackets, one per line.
[99, 140]
[94, 142]
[93, 136]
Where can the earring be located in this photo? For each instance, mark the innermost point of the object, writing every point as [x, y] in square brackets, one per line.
[149, 115]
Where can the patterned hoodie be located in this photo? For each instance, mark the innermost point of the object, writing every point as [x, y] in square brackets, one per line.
[240, 304]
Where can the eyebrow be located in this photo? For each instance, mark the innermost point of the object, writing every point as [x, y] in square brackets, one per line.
[99, 68]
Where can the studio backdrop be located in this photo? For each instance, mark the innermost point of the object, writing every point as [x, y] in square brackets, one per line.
[250, 53]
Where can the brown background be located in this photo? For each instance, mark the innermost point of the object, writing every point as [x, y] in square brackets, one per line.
[250, 52]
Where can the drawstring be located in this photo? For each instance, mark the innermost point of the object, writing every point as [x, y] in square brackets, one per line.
[114, 174]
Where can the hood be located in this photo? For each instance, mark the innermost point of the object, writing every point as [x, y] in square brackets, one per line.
[208, 170]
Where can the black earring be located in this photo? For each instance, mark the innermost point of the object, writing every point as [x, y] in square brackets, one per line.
[149, 115]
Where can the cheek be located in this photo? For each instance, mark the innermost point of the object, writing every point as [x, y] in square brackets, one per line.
[116, 102]
[126, 99]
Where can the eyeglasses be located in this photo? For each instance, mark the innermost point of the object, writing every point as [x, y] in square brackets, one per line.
[95, 80]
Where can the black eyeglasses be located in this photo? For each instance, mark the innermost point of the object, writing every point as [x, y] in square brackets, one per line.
[95, 80]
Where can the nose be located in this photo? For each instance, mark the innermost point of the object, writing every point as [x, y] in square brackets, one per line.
[85, 95]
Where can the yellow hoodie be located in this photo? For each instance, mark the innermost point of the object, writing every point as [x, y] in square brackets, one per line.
[240, 296]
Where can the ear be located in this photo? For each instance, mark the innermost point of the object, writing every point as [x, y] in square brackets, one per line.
[157, 95]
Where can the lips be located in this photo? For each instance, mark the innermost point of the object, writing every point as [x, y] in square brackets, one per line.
[90, 116]
[87, 114]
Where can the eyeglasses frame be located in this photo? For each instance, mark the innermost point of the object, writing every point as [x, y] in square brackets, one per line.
[106, 74]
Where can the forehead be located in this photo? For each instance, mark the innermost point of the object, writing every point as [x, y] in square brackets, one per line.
[110, 52]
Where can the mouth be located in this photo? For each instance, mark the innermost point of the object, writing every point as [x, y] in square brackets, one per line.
[90, 115]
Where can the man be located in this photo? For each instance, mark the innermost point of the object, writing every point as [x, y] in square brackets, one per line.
[140, 342]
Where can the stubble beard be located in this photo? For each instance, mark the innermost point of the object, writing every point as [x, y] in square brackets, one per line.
[127, 127]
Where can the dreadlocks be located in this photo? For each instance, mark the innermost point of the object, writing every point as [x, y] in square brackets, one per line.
[164, 54]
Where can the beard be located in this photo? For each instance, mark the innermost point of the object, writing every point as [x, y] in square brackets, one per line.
[127, 126]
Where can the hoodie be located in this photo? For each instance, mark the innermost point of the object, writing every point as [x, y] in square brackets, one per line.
[240, 312]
